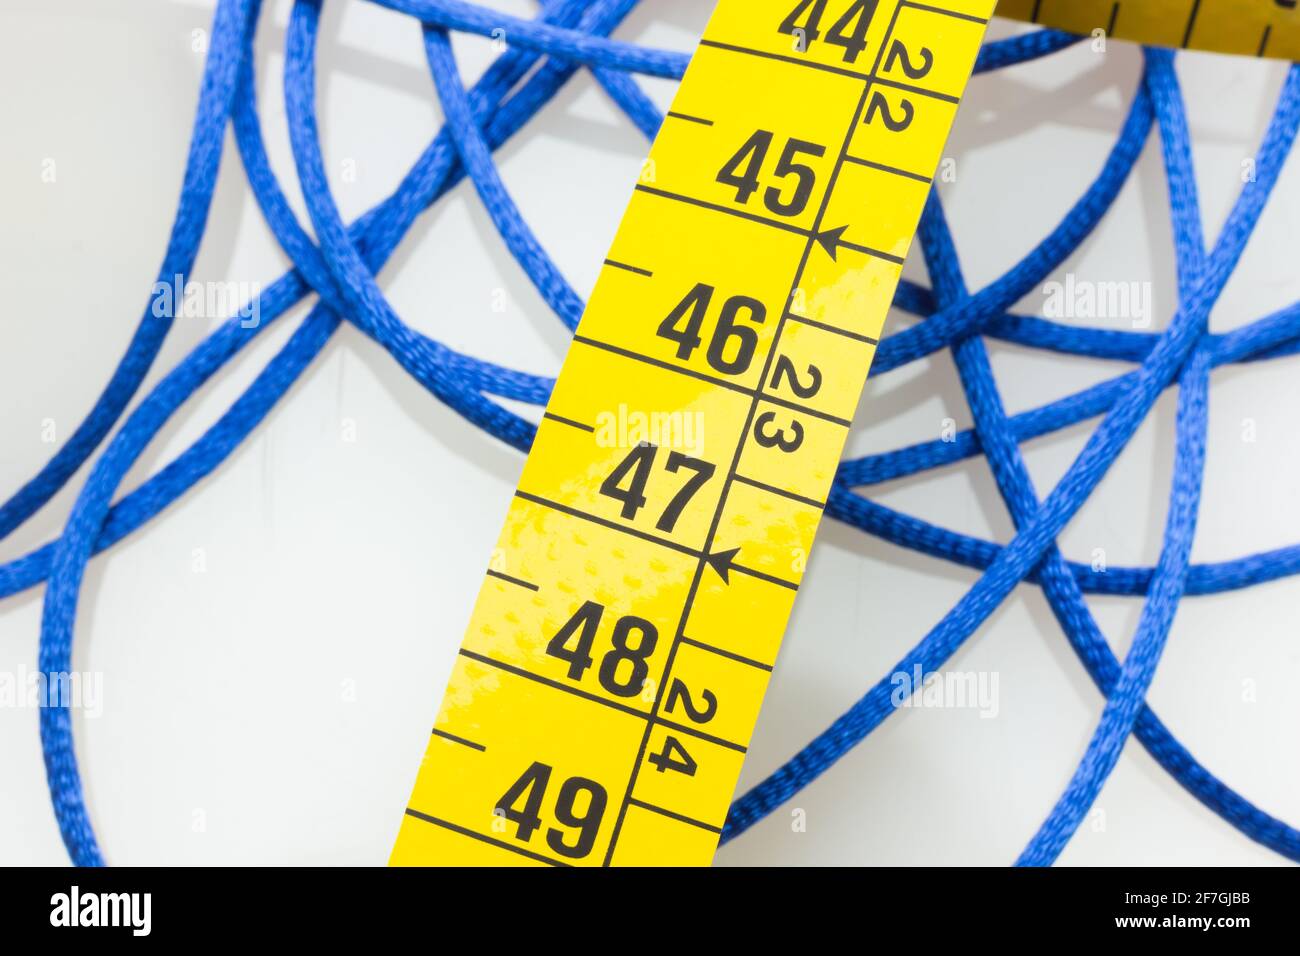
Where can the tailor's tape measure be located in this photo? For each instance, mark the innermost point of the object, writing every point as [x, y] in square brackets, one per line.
[1253, 27]
[608, 685]
[612, 673]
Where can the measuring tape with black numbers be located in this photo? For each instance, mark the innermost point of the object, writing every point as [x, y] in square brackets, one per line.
[1268, 28]
[613, 670]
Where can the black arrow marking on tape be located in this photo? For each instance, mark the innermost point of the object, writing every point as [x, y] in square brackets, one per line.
[831, 239]
[722, 562]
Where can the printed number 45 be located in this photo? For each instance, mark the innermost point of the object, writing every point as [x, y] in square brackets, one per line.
[743, 170]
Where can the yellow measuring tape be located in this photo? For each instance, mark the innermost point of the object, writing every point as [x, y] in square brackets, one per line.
[612, 674]
[1268, 28]
[614, 667]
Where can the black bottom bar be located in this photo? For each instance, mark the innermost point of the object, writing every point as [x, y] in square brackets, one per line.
[895, 910]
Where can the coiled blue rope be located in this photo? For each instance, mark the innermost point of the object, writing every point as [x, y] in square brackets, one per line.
[570, 34]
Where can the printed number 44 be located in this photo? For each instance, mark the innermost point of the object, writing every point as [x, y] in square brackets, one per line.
[849, 31]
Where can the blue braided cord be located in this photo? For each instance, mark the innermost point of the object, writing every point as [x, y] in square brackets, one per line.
[915, 534]
[638, 107]
[215, 93]
[158, 492]
[424, 359]
[1000, 54]
[1059, 585]
[1062, 413]
[573, 45]
[1117, 344]
[477, 157]
[382, 226]
[947, 325]
[1128, 693]
[342, 276]
[1015, 561]
[68, 555]
[1125, 700]
[434, 173]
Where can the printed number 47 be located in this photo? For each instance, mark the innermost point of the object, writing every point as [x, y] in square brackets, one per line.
[627, 483]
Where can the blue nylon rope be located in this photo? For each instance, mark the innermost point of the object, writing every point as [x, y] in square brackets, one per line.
[570, 34]
[69, 554]
[1020, 557]
[1059, 586]
[200, 179]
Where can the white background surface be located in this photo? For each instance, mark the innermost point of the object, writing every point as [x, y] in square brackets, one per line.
[284, 696]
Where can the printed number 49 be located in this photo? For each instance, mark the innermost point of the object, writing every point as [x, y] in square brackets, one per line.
[522, 806]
